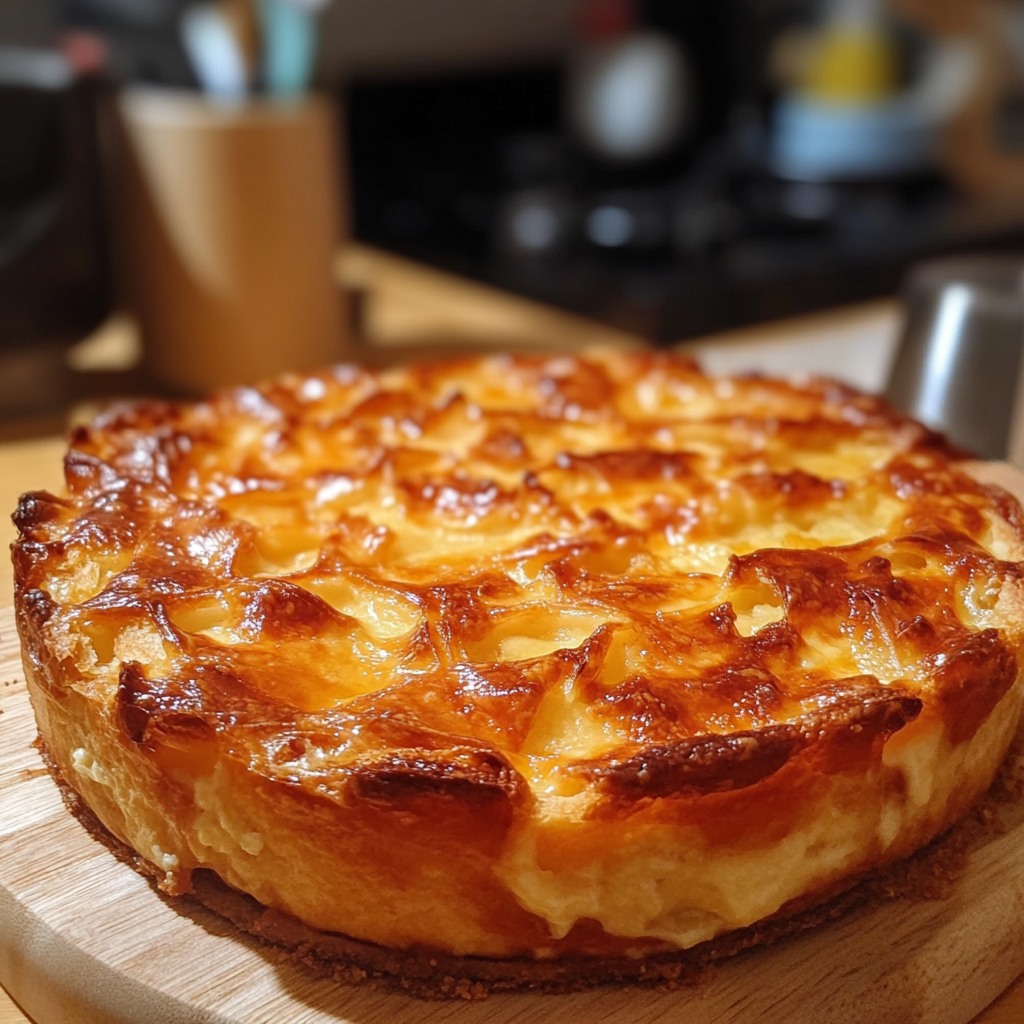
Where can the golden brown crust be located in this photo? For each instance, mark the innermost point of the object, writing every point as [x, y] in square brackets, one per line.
[430, 975]
[485, 645]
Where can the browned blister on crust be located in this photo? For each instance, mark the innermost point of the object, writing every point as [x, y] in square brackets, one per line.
[559, 660]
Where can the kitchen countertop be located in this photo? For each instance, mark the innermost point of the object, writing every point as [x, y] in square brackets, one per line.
[407, 310]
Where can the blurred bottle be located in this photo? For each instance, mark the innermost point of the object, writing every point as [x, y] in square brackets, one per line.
[628, 108]
[857, 108]
[628, 90]
[854, 59]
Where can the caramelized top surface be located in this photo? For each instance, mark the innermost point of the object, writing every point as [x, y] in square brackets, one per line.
[563, 571]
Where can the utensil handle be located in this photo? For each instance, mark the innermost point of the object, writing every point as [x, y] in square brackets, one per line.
[289, 46]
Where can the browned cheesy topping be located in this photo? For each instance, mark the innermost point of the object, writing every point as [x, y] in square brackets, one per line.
[516, 575]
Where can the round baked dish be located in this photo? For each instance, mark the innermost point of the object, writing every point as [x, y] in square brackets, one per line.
[559, 667]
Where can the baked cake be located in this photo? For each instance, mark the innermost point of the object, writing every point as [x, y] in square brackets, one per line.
[542, 667]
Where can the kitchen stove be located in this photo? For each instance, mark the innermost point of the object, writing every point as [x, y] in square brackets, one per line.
[475, 175]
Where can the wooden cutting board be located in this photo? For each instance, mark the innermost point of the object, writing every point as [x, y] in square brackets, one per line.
[84, 940]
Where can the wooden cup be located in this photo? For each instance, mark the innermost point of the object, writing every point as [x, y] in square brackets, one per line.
[231, 221]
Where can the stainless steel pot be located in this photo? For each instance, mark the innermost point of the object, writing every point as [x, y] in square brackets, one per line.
[959, 366]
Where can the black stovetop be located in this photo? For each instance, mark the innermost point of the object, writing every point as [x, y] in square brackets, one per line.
[441, 170]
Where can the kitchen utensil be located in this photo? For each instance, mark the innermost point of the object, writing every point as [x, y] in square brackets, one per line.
[289, 44]
[214, 50]
[243, 22]
[959, 365]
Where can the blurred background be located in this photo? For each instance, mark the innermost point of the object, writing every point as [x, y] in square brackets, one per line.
[670, 168]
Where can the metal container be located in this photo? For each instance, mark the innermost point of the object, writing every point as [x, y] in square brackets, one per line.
[959, 366]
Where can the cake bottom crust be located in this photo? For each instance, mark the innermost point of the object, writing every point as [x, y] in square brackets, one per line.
[430, 974]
